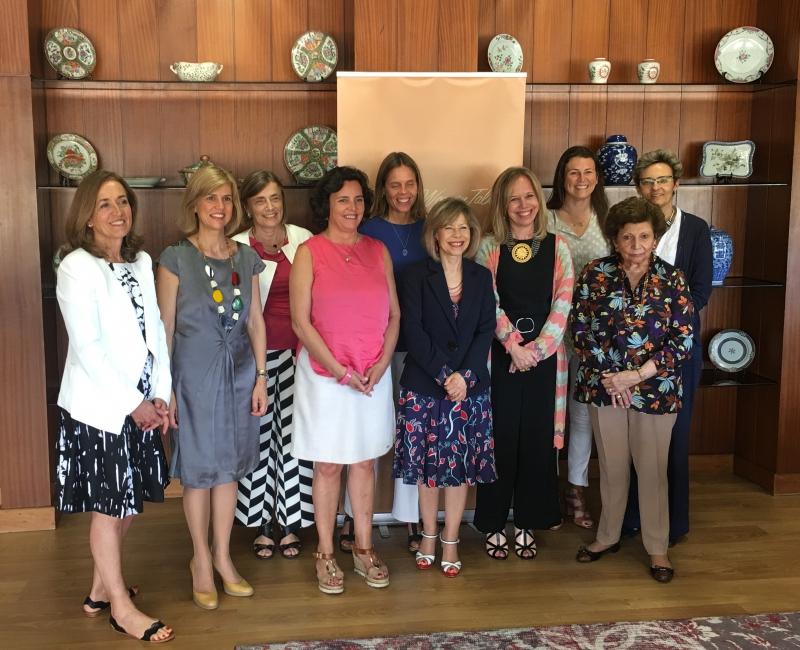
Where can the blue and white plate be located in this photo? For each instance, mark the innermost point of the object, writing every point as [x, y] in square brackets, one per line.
[731, 350]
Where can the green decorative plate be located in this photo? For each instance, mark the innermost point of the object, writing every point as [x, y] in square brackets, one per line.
[70, 52]
[310, 152]
[71, 156]
[314, 56]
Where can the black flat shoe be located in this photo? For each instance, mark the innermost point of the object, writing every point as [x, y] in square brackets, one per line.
[662, 573]
[102, 605]
[148, 633]
[586, 555]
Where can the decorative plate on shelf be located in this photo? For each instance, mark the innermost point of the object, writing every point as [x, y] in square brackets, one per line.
[144, 181]
[71, 156]
[314, 56]
[310, 152]
[731, 350]
[727, 159]
[744, 54]
[505, 54]
[70, 52]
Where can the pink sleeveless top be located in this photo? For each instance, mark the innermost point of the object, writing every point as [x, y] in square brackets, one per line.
[349, 300]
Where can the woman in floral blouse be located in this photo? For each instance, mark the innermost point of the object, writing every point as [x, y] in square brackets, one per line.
[632, 327]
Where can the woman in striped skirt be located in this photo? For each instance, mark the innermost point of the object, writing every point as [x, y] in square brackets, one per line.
[280, 487]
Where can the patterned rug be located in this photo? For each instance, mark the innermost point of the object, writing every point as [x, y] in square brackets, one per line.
[723, 633]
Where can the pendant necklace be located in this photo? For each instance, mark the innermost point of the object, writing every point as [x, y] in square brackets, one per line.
[218, 297]
[350, 249]
[403, 244]
[522, 251]
[671, 217]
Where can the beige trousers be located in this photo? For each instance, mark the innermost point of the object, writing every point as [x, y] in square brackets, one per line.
[622, 434]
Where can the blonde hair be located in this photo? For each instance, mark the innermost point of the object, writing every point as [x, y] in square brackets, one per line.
[443, 214]
[202, 183]
[498, 210]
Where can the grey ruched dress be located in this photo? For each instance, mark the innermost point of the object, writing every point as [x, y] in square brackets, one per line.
[213, 370]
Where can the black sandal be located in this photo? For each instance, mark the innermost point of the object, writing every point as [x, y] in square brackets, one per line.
[102, 605]
[148, 633]
[296, 544]
[414, 537]
[524, 549]
[259, 548]
[497, 550]
[347, 540]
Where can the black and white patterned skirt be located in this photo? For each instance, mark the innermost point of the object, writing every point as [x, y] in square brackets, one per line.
[113, 474]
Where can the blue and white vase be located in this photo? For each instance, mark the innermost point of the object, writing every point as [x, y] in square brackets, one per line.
[617, 159]
[721, 255]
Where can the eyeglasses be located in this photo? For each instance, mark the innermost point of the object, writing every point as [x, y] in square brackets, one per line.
[649, 182]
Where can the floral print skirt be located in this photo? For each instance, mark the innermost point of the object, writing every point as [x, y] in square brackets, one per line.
[440, 443]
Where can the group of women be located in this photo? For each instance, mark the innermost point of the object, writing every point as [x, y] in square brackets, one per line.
[282, 361]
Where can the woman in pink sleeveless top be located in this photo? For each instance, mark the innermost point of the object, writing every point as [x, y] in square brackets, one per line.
[345, 314]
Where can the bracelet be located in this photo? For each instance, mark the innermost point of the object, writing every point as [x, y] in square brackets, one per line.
[639, 372]
[261, 373]
[346, 377]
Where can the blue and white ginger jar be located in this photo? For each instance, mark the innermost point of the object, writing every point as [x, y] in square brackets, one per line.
[617, 159]
[721, 255]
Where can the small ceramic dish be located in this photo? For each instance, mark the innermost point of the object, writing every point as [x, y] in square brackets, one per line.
[70, 52]
[505, 54]
[314, 56]
[72, 156]
[731, 350]
[727, 159]
[310, 152]
[189, 71]
[144, 181]
[744, 54]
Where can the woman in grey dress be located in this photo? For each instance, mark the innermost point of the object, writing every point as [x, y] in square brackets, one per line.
[209, 300]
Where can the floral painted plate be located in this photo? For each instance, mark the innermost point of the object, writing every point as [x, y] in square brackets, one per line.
[70, 52]
[71, 156]
[744, 54]
[731, 350]
[731, 159]
[505, 54]
[310, 152]
[314, 56]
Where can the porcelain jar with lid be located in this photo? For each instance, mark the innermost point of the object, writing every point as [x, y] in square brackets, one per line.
[617, 160]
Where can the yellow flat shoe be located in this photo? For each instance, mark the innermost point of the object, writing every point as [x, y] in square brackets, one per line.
[241, 589]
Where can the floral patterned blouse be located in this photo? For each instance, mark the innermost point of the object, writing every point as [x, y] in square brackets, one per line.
[616, 327]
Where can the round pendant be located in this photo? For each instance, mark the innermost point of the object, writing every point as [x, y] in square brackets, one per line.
[347, 259]
[521, 252]
[216, 295]
[405, 252]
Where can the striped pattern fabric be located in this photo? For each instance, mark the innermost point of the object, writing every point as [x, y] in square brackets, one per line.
[280, 484]
[551, 339]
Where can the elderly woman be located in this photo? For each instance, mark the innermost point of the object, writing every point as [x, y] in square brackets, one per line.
[345, 313]
[687, 246]
[632, 325]
[115, 389]
[210, 303]
[578, 208]
[279, 489]
[398, 218]
[444, 420]
[533, 280]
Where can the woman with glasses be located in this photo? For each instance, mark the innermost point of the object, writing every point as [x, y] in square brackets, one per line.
[686, 245]
[533, 279]
[578, 208]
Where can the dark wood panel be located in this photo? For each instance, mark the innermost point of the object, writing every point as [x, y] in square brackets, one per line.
[262, 150]
[729, 212]
[417, 35]
[138, 21]
[486, 31]
[375, 35]
[458, 36]
[757, 413]
[215, 37]
[697, 200]
[780, 19]
[661, 119]
[627, 41]
[217, 126]
[781, 146]
[713, 421]
[141, 154]
[35, 38]
[252, 50]
[515, 17]
[14, 40]
[777, 219]
[179, 132]
[329, 16]
[733, 115]
[625, 114]
[587, 116]
[57, 13]
[589, 38]
[665, 38]
[549, 131]
[698, 124]
[552, 41]
[177, 34]
[99, 20]
[289, 20]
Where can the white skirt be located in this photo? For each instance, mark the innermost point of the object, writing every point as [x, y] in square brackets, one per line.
[336, 424]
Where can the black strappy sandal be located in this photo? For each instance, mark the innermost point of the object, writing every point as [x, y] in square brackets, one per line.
[497, 550]
[102, 605]
[524, 549]
[148, 633]
[347, 540]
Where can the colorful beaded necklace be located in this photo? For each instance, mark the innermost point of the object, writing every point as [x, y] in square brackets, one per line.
[218, 297]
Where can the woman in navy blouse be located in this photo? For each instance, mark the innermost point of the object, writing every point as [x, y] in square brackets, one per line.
[632, 326]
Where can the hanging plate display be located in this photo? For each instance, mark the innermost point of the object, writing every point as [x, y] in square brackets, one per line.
[310, 152]
[744, 54]
[314, 56]
[71, 156]
[70, 52]
[505, 54]
[731, 350]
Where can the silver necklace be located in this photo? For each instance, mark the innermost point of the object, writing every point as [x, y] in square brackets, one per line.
[403, 244]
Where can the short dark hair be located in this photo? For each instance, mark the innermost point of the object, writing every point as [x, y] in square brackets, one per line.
[599, 198]
[252, 184]
[81, 210]
[331, 183]
[633, 210]
[393, 161]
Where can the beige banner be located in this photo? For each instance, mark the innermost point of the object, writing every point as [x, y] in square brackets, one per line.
[462, 129]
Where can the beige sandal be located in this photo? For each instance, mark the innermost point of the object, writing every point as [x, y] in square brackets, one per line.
[376, 565]
[576, 507]
[328, 583]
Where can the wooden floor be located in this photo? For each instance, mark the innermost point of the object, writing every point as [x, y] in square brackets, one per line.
[742, 557]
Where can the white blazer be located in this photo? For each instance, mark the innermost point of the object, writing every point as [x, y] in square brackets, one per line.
[295, 236]
[106, 352]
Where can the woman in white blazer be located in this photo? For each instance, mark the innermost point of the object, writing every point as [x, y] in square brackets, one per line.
[115, 389]
[280, 487]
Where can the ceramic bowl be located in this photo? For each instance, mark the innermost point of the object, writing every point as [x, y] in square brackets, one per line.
[189, 71]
